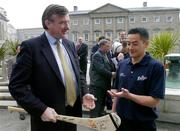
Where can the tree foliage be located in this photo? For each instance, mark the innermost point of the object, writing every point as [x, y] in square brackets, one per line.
[11, 46]
[162, 44]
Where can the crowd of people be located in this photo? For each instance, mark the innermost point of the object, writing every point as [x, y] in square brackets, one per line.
[49, 77]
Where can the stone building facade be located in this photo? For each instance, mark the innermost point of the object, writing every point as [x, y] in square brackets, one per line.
[109, 20]
[3, 25]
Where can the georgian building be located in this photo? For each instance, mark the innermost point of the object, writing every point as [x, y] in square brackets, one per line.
[3, 25]
[109, 20]
[28, 33]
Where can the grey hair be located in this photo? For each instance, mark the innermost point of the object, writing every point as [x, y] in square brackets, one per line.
[103, 42]
[51, 10]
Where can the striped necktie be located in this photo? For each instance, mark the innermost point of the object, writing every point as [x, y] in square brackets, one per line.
[70, 84]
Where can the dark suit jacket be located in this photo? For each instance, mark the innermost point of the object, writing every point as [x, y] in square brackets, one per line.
[100, 71]
[36, 82]
[93, 50]
[83, 53]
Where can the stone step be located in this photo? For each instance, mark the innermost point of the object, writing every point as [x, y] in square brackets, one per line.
[7, 103]
[4, 89]
[4, 83]
[5, 96]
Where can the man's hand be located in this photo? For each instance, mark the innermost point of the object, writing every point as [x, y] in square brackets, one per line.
[123, 93]
[49, 115]
[89, 101]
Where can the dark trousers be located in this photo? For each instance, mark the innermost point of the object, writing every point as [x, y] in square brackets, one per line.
[100, 94]
[132, 125]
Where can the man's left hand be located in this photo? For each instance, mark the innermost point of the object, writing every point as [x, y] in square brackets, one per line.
[89, 101]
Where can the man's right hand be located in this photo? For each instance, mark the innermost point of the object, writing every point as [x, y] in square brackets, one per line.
[49, 115]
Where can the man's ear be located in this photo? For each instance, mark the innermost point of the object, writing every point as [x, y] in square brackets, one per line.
[47, 23]
[146, 42]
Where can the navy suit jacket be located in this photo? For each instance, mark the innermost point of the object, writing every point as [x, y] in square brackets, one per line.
[36, 82]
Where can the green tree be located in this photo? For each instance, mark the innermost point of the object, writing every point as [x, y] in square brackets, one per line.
[11, 46]
[2, 51]
[162, 44]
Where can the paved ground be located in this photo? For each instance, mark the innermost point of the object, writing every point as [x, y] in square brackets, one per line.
[11, 122]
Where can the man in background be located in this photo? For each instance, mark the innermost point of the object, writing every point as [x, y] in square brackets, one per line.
[102, 70]
[82, 52]
[95, 47]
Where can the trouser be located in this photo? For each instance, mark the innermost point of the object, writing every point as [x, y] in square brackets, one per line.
[100, 94]
[133, 125]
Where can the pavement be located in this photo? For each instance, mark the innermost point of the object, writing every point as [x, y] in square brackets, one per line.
[11, 122]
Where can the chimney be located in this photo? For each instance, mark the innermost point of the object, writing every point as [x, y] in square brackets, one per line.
[75, 8]
[145, 4]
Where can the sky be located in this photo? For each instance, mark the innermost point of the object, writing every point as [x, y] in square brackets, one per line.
[27, 13]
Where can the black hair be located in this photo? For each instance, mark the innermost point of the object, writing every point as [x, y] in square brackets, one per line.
[101, 37]
[51, 10]
[141, 31]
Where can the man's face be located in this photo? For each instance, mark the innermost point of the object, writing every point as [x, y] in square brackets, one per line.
[136, 45]
[80, 40]
[106, 47]
[58, 26]
[122, 35]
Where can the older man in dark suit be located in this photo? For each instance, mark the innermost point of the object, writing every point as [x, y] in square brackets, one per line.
[82, 52]
[46, 72]
[101, 71]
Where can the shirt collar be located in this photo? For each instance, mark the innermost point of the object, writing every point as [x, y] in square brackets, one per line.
[50, 38]
[144, 61]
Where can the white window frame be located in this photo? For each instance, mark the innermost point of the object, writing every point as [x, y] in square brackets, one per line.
[144, 19]
[169, 20]
[157, 19]
[75, 22]
[109, 34]
[86, 36]
[74, 36]
[86, 22]
[97, 34]
[108, 21]
[97, 21]
[120, 20]
[132, 17]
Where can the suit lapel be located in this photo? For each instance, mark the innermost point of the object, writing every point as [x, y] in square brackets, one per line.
[48, 53]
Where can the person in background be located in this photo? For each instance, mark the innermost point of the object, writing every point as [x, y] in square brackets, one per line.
[46, 79]
[139, 85]
[11, 61]
[101, 72]
[122, 37]
[95, 47]
[82, 52]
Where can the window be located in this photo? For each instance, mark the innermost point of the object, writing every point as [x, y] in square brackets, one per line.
[97, 21]
[120, 20]
[131, 20]
[109, 34]
[75, 22]
[157, 19]
[97, 34]
[144, 19]
[86, 36]
[86, 21]
[74, 36]
[169, 19]
[108, 20]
